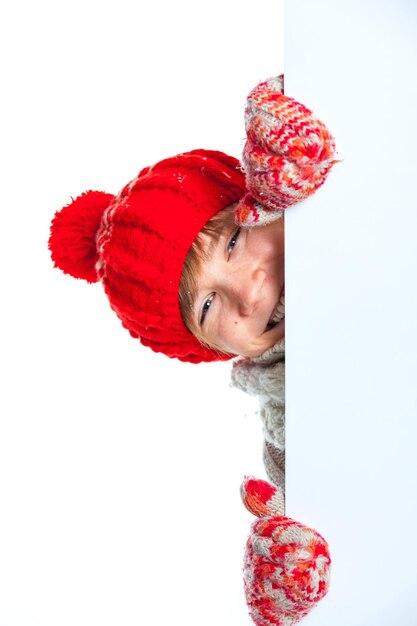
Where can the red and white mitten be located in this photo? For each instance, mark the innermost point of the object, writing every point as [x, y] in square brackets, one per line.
[286, 565]
[287, 155]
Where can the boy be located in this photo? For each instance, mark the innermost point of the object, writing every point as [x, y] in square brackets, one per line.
[191, 252]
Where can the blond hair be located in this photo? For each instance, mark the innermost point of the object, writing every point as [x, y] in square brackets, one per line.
[197, 255]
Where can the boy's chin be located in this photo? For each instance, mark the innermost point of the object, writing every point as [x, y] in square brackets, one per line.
[275, 334]
[269, 339]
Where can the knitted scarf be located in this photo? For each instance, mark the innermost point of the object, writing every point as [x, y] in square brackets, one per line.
[264, 378]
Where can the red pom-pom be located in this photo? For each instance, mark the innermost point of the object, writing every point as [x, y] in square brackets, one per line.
[72, 241]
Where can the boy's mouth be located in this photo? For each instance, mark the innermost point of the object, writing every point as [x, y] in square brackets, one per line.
[278, 313]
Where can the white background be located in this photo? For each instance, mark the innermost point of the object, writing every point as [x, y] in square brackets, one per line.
[120, 469]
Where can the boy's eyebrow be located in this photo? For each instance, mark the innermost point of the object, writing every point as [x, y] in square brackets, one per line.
[214, 241]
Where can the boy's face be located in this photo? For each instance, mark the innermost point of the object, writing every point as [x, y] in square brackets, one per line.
[239, 288]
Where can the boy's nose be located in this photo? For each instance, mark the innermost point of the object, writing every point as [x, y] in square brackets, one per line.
[247, 291]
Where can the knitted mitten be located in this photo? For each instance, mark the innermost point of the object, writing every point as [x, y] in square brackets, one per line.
[286, 564]
[287, 155]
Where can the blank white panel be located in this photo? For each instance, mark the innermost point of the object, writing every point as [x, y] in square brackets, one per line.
[351, 267]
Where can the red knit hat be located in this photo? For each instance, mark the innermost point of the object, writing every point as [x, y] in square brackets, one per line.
[136, 243]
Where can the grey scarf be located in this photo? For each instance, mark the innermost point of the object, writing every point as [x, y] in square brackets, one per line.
[264, 378]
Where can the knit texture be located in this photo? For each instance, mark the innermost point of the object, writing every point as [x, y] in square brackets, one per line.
[136, 243]
[287, 155]
[263, 377]
[286, 564]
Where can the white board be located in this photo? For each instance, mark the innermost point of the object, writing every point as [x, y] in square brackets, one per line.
[351, 335]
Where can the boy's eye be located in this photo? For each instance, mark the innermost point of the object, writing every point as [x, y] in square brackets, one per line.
[233, 241]
[205, 308]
